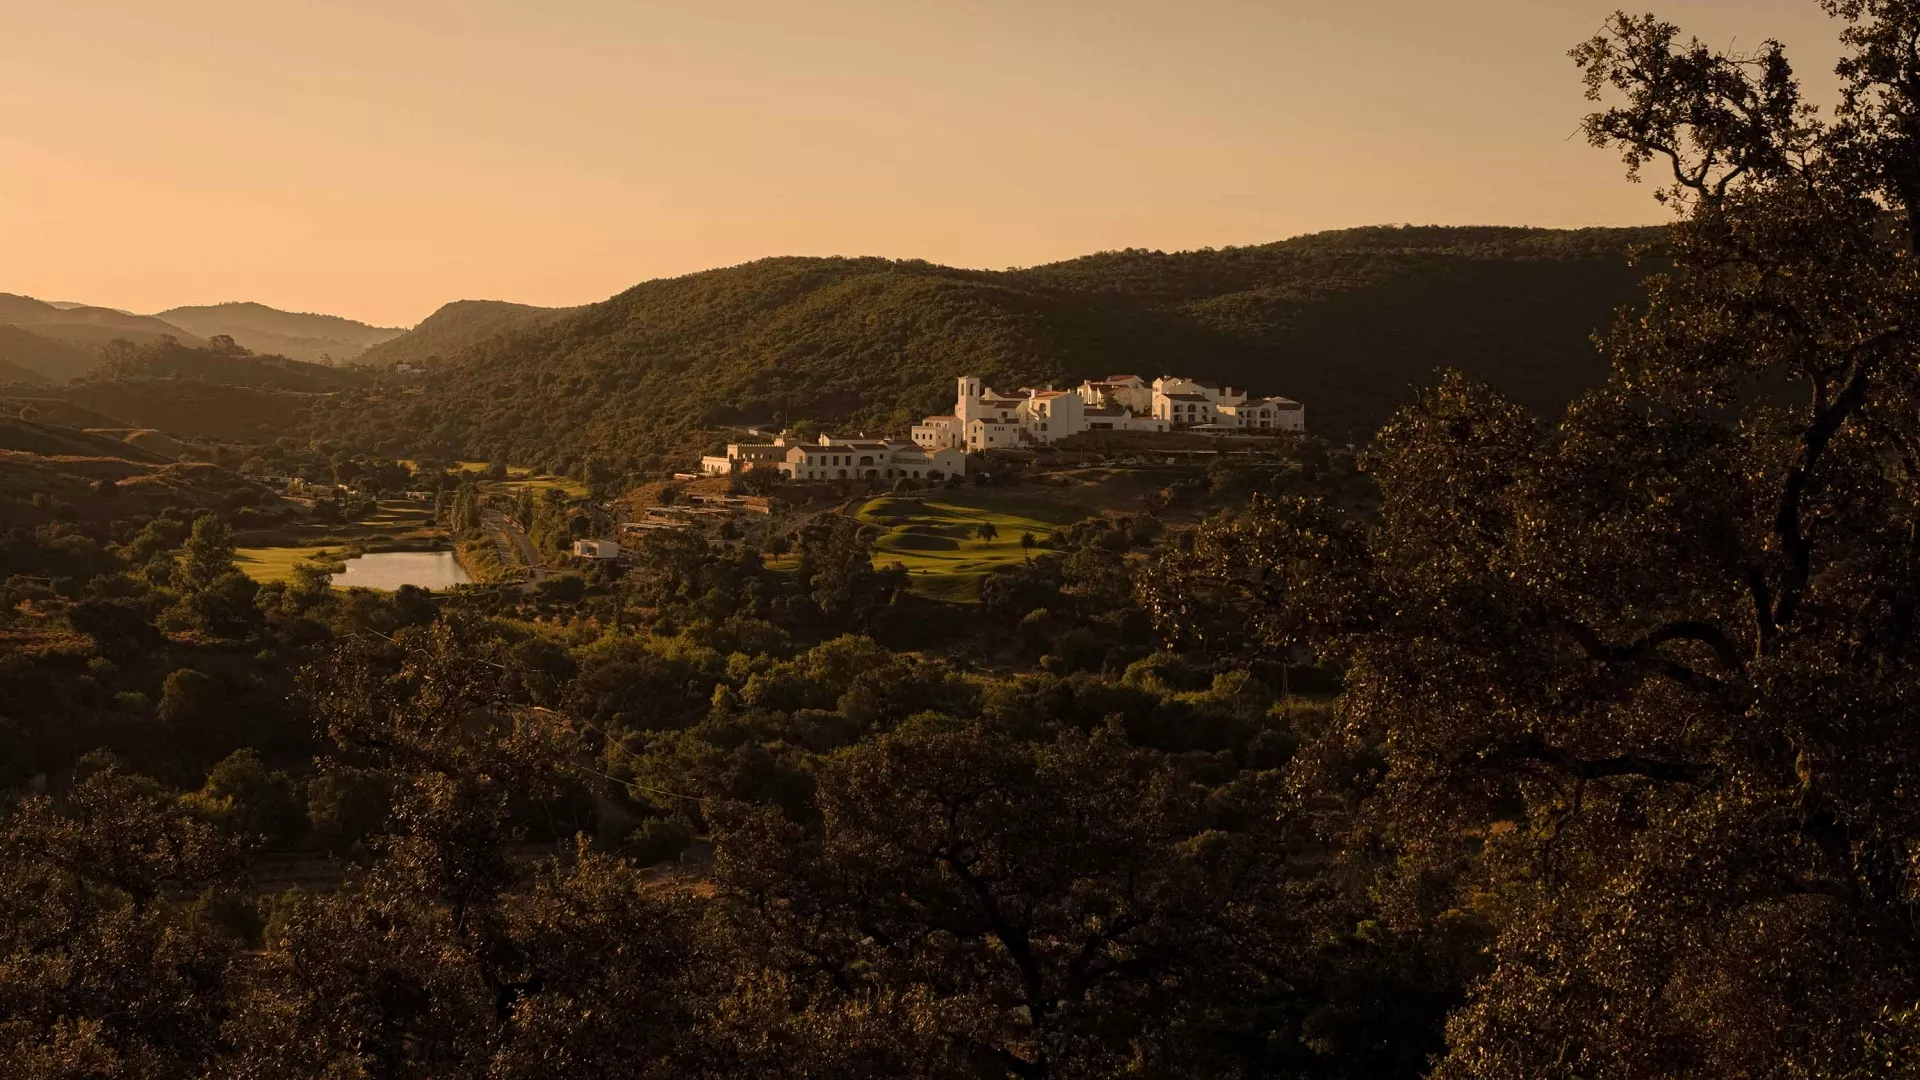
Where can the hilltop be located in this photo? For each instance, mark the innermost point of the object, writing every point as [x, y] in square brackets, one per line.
[456, 327]
[297, 335]
[1347, 322]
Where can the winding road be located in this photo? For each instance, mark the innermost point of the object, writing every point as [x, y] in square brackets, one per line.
[514, 544]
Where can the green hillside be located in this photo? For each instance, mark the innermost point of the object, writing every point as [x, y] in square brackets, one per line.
[298, 335]
[191, 410]
[226, 366]
[456, 327]
[1346, 322]
[195, 392]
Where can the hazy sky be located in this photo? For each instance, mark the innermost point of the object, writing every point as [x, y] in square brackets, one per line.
[375, 158]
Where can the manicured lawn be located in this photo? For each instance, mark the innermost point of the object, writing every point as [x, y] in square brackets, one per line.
[399, 514]
[573, 489]
[937, 539]
[270, 564]
[395, 523]
[472, 466]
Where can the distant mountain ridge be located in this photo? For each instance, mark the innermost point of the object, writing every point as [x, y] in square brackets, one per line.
[296, 335]
[1347, 322]
[307, 336]
[457, 326]
[85, 326]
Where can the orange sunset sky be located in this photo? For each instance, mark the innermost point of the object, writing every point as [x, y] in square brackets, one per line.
[376, 158]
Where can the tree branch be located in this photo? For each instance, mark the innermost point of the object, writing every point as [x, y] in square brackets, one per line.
[1532, 748]
[1787, 523]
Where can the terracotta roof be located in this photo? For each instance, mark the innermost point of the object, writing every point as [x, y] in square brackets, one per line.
[1186, 397]
[1049, 393]
[1122, 378]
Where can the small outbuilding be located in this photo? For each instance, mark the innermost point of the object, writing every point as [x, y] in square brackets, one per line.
[596, 549]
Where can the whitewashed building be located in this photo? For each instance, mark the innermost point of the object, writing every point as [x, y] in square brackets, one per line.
[1265, 414]
[1185, 403]
[743, 456]
[985, 419]
[1128, 392]
[871, 459]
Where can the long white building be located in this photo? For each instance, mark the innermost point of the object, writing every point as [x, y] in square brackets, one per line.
[985, 419]
[832, 458]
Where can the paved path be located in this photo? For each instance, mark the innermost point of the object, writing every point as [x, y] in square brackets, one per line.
[514, 545]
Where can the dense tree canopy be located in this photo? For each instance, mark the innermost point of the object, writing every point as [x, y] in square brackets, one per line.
[1653, 665]
[1577, 745]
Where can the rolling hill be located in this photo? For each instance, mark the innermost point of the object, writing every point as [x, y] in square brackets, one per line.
[1347, 322]
[57, 411]
[456, 327]
[297, 335]
[217, 393]
[42, 359]
[12, 373]
[217, 364]
[203, 393]
[85, 326]
[50, 440]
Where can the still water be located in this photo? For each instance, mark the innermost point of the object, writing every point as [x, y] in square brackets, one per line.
[389, 570]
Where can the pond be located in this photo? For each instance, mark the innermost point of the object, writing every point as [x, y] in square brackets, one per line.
[389, 570]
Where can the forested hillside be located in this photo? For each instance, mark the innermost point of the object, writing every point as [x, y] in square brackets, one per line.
[217, 392]
[224, 363]
[1347, 322]
[298, 335]
[456, 327]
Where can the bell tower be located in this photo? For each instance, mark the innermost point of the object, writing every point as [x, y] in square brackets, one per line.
[967, 406]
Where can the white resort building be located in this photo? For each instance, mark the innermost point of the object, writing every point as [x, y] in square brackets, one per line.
[831, 458]
[985, 419]
[1185, 403]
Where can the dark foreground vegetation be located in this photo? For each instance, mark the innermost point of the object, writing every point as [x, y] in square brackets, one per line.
[1517, 748]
